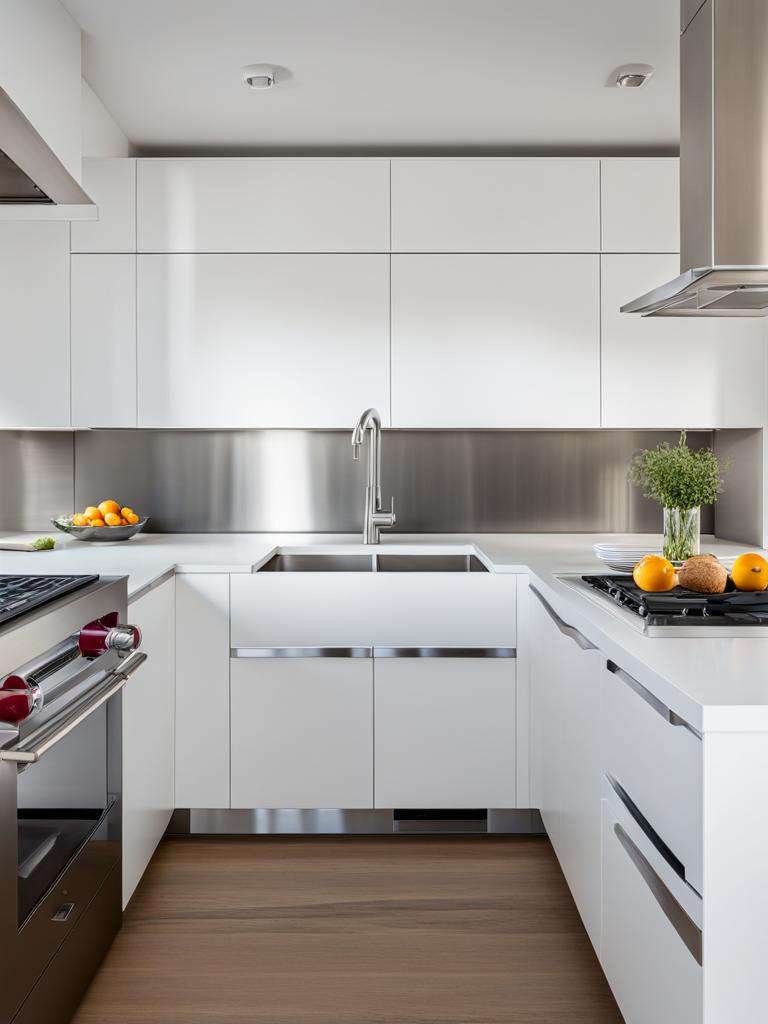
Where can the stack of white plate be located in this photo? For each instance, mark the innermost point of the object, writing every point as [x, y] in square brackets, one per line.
[622, 557]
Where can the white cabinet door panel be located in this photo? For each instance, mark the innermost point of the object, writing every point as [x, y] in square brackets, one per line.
[261, 341]
[445, 732]
[302, 732]
[495, 205]
[202, 691]
[148, 735]
[641, 204]
[34, 340]
[263, 205]
[103, 340]
[111, 183]
[673, 372]
[495, 341]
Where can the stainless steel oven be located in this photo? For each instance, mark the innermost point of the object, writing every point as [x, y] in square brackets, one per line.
[62, 669]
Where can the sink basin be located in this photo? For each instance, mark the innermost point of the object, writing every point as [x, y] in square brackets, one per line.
[315, 562]
[359, 561]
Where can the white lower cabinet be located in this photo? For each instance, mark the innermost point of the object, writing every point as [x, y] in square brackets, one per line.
[202, 690]
[148, 735]
[651, 948]
[445, 732]
[565, 752]
[302, 732]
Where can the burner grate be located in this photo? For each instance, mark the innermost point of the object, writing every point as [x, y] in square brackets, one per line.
[19, 594]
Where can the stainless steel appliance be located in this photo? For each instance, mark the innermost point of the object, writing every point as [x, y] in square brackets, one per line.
[64, 658]
[679, 612]
[723, 165]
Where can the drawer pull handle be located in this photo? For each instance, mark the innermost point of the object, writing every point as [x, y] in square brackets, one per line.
[569, 631]
[444, 652]
[650, 832]
[645, 694]
[301, 652]
[687, 929]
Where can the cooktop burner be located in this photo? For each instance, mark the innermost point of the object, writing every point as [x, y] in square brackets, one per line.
[19, 594]
[685, 607]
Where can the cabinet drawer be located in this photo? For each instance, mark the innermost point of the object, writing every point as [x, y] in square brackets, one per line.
[655, 761]
[651, 942]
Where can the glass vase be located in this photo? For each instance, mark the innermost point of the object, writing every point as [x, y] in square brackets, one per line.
[681, 533]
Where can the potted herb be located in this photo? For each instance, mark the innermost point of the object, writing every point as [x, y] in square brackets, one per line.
[681, 481]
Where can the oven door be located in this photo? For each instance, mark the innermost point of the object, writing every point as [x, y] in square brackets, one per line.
[62, 786]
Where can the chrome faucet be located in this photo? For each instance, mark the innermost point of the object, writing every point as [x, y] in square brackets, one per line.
[375, 518]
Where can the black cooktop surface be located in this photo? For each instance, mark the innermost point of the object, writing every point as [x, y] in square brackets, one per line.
[734, 607]
[19, 594]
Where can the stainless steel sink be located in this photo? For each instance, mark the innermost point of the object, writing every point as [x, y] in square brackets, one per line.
[311, 562]
[315, 561]
[429, 563]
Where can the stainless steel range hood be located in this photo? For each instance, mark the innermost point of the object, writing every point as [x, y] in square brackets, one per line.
[723, 164]
[32, 178]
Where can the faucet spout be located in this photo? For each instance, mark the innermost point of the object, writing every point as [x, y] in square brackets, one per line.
[375, 517]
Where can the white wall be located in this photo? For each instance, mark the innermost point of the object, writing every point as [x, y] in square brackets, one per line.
[102, 136]
[40, 69]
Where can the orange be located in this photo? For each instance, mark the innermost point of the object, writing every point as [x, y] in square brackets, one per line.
[132, 518]
[96, 522]
[750, 572]
[108, 506]
[123, 522]
[79, 520]
[112, 519]
[92, 512]
[125, 512]
[655, 574]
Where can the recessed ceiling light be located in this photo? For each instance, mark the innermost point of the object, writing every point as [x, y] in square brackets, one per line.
[633, 76]
[259, 76]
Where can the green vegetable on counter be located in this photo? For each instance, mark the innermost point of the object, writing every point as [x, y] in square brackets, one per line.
[44, 544]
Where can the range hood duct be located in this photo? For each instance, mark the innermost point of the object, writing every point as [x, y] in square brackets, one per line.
[31, 175]
[723, 165]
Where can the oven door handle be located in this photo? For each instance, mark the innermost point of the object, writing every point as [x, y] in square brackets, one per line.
[41, 741]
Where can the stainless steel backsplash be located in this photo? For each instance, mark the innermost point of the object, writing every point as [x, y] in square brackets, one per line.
[306, 481]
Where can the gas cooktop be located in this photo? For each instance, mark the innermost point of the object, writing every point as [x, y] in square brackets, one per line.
[19, 594]
[681, 612]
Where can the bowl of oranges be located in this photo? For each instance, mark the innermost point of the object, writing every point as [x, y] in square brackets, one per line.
[108, 521]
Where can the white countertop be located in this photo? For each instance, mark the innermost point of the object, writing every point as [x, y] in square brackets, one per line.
[717, 684]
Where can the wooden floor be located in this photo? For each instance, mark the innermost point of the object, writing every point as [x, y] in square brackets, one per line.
[351, 931]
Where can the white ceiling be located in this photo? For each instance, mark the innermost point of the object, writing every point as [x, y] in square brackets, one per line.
[384, 74]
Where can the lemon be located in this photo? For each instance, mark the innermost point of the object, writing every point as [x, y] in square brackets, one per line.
[655, 574]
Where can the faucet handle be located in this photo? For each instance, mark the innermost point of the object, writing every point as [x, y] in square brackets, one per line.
[392, 510]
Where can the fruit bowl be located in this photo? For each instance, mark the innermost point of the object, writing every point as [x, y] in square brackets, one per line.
[99, 534]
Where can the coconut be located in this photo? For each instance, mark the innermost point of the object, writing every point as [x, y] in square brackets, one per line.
[704, 574]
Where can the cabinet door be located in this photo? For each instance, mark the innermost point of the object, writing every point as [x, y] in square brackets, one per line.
[641, 204]
[34, 342]
[302, 732]
[495, 205]
[565, 752]
[445, 732]
[263, 205]
[103, 341]
[495, 341]
[148, 735]
[111, 183]
[671, 372]
[202, 691]
[261, 341]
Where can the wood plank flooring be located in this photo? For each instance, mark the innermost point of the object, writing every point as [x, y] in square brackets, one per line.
[349, 930]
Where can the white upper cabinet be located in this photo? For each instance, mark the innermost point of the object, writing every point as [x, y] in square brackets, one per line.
[263, 205]
[641, 205]
[111, 183]
[495, 205]
[495, 341]
[675, 372]
[34, 340]
[103, 322]
[261, 341]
